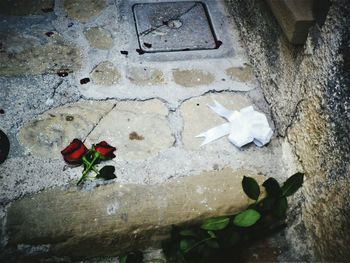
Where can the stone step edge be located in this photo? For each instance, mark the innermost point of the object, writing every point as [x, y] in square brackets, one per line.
[294, 17]
[115, 218]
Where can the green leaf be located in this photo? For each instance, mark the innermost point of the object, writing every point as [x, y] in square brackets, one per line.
[246, 218]
[215, 223]
[272, 187]
[267, 203]
[292, 184]
[281, 207]
[188, 233]
[185, 245]
[211, 234]
[251, 187]
[107, 172]
[122, 259]
[172, 251]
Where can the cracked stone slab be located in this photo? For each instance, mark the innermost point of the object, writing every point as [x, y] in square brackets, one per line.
[138, 129]
[37, 53]
[47, 134]
[25, 7]
[105, 73]
[123, 217]
[83, 10]
[198, 117]
[99, 38]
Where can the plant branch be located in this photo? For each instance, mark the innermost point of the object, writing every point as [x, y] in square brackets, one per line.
[198, 243]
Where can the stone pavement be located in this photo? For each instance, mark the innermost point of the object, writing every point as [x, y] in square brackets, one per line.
[70, 69]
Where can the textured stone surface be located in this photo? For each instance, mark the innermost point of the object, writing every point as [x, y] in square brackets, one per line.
[150, 149]
[192, 77]
[50, 132]
[198, 117]
[24, 54]
[105, 73]
[240, 73]
[83, 10]
[145, 76]
[147, 119]
[22, 100]
[99, 38]
[116, 218]
[31, 174]
[25, 7]
[308, 90]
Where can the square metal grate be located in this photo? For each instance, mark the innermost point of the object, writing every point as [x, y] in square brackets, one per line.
[174, 26]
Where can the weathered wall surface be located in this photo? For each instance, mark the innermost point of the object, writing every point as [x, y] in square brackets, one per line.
[308, 89]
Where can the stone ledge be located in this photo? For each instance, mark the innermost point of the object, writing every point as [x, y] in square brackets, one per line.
[294, 17]
[114, 218]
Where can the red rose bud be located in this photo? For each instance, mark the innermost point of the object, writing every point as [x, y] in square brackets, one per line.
[74, 152]
[105, 150]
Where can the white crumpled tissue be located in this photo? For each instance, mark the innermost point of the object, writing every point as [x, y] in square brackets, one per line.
[243, 127]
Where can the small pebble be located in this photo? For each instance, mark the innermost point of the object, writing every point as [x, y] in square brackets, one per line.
[147, 45]
[49, 34]
[84, 81]
[69, 118]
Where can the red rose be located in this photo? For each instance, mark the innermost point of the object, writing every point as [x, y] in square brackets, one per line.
[74, 152]
[105, 150]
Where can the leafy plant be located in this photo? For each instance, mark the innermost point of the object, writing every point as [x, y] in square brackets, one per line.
[221, 239]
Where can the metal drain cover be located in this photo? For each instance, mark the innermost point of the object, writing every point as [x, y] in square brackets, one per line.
[174, 26]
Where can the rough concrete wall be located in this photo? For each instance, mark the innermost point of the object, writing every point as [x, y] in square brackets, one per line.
[308, 89]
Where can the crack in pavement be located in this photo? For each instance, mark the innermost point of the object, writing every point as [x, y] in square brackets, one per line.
[98, 122]
[165, 23]
[55, 88]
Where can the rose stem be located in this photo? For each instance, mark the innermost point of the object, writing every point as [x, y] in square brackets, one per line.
[88, 163]
[96, 156]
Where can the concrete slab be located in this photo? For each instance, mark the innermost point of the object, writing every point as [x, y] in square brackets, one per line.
[49, 133]
[138, 129]
[174, 26]
[117, 218]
